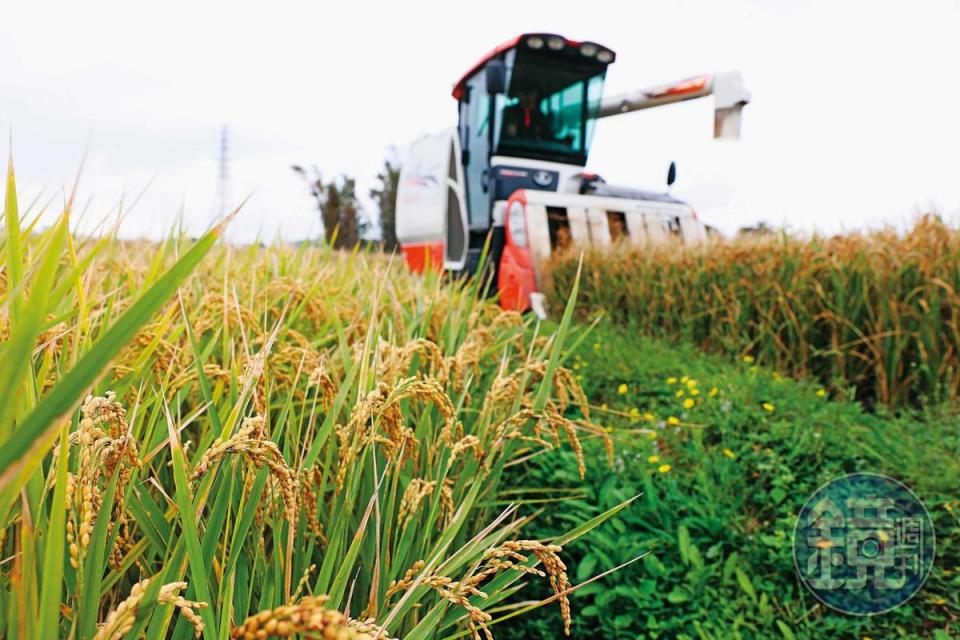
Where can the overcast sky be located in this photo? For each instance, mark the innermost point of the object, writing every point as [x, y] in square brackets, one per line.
[855, 118]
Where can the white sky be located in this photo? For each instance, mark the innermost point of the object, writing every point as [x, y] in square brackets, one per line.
[855, 119]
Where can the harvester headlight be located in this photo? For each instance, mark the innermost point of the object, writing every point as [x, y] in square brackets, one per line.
[588, 49]
[555, 42]
[535, 42]
[605, 56]
[518, 224]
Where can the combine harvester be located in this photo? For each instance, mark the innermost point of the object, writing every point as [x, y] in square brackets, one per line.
[513, 170]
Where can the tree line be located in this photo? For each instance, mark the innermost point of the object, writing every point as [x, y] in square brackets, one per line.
[345, 224]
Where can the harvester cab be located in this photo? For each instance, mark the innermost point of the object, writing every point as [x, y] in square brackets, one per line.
[512, 173]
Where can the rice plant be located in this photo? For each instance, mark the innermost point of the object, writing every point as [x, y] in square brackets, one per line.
[199, 439]
[877, 312]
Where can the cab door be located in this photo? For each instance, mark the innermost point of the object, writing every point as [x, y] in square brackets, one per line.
[475, 139]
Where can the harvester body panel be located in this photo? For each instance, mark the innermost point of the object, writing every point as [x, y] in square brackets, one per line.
[431, 203]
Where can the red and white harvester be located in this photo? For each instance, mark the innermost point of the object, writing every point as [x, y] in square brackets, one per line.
[512, 172]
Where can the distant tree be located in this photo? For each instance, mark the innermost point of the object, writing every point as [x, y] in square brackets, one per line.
[343, 222]
[761, 228]
[385, 195]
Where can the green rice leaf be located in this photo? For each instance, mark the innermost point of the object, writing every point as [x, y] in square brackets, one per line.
[34, 432]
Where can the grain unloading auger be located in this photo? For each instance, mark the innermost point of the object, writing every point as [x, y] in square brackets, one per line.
[512, 172]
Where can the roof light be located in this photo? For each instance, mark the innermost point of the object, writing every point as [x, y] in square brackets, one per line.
[535, 42]
[588, 49]
[605, 56]
[555, 42]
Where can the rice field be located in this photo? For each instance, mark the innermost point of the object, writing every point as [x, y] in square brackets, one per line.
[200, 439]
[874, 315]
[204, 440]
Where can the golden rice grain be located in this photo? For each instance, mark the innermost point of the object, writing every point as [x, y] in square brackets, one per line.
[308, 616]
[120, 621]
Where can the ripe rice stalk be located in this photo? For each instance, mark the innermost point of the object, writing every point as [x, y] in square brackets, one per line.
[272, 436]
[876, 312]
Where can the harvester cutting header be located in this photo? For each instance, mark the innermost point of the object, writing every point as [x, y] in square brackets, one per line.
[513, 169]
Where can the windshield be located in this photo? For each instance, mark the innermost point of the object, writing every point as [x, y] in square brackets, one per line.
[550, 109]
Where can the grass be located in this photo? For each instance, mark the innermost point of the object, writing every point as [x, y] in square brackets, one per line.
[724, 453]
[216, 441]
[876, 315]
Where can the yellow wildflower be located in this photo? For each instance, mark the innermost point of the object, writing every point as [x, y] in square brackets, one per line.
[648, 416]
[729, 454]
[664, 468]
[622, 389]
[603, 407]
[688, 403]
[714, 391]
[673, 420]
[679, 393]
[821, 393]
[654, 459]
[671, 380]
[634, 413]
[694, 391]
[684, 379]
[748, 359]
[691, 383]
[768, 407]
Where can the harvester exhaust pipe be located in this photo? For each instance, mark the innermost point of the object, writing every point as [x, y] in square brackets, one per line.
[729, 97]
